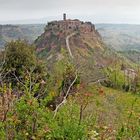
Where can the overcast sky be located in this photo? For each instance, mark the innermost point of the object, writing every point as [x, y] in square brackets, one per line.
[97, 11]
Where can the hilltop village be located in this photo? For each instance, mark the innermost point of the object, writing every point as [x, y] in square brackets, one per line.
[72, 25]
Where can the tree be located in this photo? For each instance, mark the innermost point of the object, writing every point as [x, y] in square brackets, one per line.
[21, 66]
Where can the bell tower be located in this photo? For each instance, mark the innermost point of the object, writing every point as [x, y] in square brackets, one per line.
[64, 16]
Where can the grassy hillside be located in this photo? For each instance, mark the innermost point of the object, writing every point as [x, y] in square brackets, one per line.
[73, 88]
[111, 114]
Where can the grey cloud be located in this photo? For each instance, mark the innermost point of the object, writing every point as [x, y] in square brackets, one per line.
[51, 4]
[97, 9]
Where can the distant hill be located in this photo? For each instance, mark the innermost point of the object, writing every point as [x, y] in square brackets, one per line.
[14, 32]
[80, 43]
[132, 55]
[121, 37]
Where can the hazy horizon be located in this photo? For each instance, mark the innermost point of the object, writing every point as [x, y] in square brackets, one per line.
[96, 11]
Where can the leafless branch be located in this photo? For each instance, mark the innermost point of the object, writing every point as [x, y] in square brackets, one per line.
[65, 98]
[19, 80]
[30, 78]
